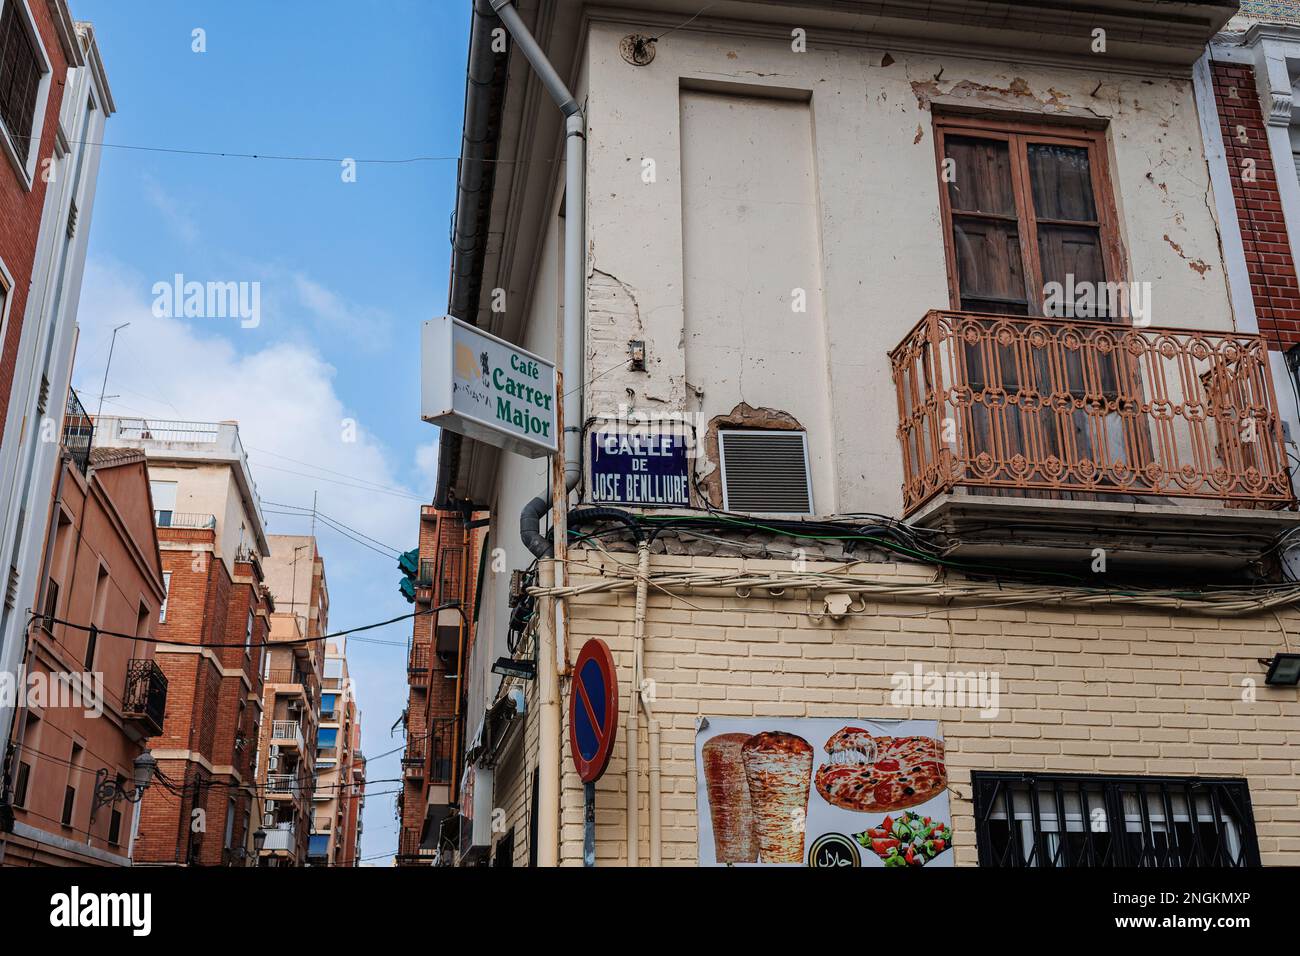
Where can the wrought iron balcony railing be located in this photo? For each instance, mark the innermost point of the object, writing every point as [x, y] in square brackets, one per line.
[78, 432]
[146, 695]
[1057, 408]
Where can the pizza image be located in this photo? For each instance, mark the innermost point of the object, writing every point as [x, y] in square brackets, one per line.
[729, 803]
[869, 773]
[778, 769]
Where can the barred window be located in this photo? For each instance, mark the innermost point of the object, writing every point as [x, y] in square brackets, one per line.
[1025, 820]
[20, 78]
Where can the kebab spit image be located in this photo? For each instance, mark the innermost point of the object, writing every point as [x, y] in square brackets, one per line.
[758, 796]
[729, 804]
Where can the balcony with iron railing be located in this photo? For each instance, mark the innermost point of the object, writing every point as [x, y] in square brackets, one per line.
[287, 733]
[282, 784]
[191, 520]
[1003, 418]
[78, 432]
[145, 698]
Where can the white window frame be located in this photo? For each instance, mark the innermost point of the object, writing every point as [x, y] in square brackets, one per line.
[27, 171]
[248, 636]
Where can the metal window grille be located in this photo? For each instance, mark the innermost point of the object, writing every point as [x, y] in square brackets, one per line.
[1031, 820]
[20, 78]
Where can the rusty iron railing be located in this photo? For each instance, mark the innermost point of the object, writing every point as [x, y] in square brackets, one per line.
[145, 698]
[1055, 408]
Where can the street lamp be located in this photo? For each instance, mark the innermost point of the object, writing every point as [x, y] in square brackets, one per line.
[259, 841]
[110, 791]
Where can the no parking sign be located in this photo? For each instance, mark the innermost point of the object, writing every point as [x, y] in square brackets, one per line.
[593, 709]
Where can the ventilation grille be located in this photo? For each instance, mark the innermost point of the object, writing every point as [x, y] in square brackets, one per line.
[765, 472]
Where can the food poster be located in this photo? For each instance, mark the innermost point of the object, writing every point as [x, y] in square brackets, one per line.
[822, 792]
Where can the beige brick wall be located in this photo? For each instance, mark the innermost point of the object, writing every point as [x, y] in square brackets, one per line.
[1081, 691]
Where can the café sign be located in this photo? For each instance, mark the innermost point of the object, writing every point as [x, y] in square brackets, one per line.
[483, 387]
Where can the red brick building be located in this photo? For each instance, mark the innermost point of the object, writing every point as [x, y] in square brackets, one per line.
[43, 47]
[212, 543]
[444, 572]
[74, 762]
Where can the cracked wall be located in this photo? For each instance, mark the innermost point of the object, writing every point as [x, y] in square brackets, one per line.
[855, 223]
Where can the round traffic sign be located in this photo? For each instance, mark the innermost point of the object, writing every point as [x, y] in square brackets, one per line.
[593, 709]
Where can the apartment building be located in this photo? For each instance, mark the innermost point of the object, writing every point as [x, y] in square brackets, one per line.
[293, 673]
[52, 117]
[340, 768]
[968, 325]
[440, 579]
[79, 759]
[216, 619]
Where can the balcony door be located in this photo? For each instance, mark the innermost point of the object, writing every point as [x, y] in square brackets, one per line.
[1025, 207]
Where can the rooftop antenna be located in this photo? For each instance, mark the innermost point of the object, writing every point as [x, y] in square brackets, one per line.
[104, 387]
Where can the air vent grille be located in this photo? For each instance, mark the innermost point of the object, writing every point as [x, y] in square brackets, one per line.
[765, 472]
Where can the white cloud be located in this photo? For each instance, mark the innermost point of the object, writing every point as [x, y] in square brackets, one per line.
[330, 312]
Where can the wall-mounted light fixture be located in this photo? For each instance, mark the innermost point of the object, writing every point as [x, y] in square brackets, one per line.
[110, 791]
[1283, 670]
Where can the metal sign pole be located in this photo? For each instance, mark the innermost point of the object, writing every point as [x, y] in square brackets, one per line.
[589, 824]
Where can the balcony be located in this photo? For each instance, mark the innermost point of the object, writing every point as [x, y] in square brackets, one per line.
[292, 681]
[78, 432]
[286, 733]
[1028, 437]
[409, 851]
[417, 751]
[282, 837]
[184, 519]
[145, 699]
[282, 785]
[417, 661]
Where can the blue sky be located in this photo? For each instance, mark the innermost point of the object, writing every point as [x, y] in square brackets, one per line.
[325, 386]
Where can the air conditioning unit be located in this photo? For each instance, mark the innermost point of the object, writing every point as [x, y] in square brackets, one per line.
[295, 708]
[272, 764]
[269, 806]
[268, 820]
[275, 750]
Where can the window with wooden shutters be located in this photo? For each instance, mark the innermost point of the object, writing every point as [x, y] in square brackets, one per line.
[1026, 206]
[1023, 206]
[20, 77]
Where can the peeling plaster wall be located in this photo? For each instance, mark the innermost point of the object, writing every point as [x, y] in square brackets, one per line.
[881, 264]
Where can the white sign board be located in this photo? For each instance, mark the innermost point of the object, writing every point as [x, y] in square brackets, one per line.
[483, 387]
[822, 792]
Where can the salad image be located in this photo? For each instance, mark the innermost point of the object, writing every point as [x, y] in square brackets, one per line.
[906, 840]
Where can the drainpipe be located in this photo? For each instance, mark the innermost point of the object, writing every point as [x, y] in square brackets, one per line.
[575, 228]
[552, 652]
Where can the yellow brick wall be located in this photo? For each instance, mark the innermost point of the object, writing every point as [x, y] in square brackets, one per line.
[1081, 691]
